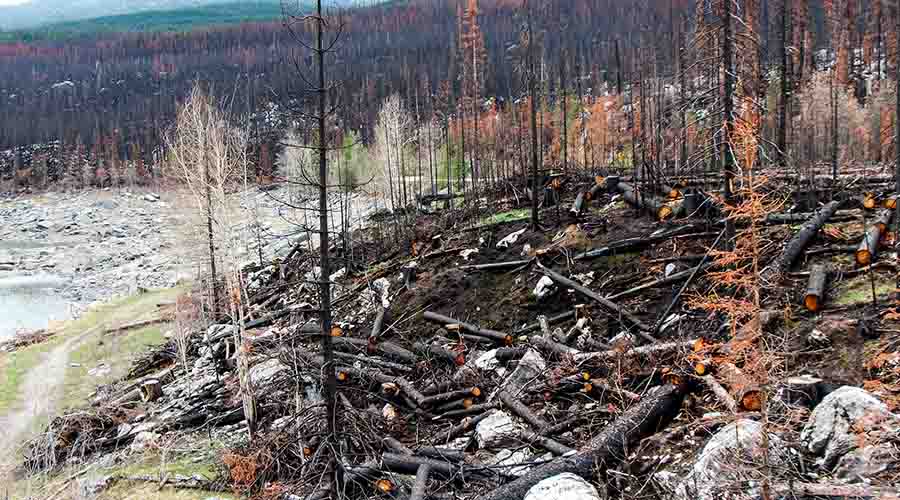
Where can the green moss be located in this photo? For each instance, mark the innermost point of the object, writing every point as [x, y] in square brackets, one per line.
[859, 290]
[510, 216]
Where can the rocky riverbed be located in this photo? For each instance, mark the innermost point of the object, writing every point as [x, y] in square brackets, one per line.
[60, 252]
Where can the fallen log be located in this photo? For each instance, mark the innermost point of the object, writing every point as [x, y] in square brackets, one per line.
[496, 265]
[719, 392]
[806, 233]
[521, 410]
[868, 248]
[388, 349]
[409, 464]
[634, 244]
[151, 390]
[466, 425]
[650, 350]
[474, 330]
[547, 345]
[510, 353]
[550, 320]
[546, 443]
[438, 352]
[135, 325]
[267, 319]
[607, 448]
[577, 205]
[668, 280]
[451, 396]
[379, 320]
[441, 453]
[644, 201]
[610, 306]
[815, 288]
[745, 392]
[420, 485]
[801, 217]
[373, 361]
[472, 410]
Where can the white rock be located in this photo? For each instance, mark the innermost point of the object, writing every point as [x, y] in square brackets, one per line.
[510, 239]
[265, 371]
[565, 486]
[543, 288]
[508, 462]
[465, 254]
[830, 432]
[144, 440]
[389, 412]
[526, 250]
[530, 367]
[723, 465]
[498, 430]
[488, 361]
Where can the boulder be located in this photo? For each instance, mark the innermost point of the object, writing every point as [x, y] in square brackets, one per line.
[566, 486]
[499, 429]
[144, 440]
[723, 467]
[843, 421]
[532, 366]
[263, 372]
[860, 465]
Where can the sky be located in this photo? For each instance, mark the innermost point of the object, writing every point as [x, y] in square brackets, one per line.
[4, 3]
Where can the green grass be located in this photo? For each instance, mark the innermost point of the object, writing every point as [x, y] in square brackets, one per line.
[510, 216]
[859, 290]
[115, 351]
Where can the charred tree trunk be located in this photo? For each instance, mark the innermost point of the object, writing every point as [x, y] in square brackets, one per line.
[606, 449]
[727, 151]
[785, 82]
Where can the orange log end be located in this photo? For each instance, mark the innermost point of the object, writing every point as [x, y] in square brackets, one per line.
[664, 213]
[384, 486]
[700, 369]
[811, 302]
[476, 392]
[869, 203]
[752, 401]
[863, 257]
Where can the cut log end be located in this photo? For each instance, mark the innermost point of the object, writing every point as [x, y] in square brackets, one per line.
[476, 392]
[674, 194]
[384, 486]
[811, 302]
[752, 400]
[869, 203]
[664, 212]
[863, 257]
[889, 203]
[701, 369]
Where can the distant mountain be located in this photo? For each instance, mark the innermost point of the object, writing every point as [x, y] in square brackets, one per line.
[48, 12]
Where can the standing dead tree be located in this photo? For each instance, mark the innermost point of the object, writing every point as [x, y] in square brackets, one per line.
[209, 157]
[315, 104]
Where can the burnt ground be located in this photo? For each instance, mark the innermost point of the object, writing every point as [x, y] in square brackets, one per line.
[849, 341]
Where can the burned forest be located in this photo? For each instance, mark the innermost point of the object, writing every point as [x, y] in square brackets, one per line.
[587, 259]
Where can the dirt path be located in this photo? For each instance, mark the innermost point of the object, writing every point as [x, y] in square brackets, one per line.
[40, 394]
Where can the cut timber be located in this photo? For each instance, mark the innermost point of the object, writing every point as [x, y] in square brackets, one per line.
[644, 201]
[388, 349]
[151, 390]
[379, 320]
[135, 325]
[409, 464]
[420, 485]
[868, 248]
[550, 320]
[668, 280]
[615, 310]
[522, 411]
[720, 392]
[634, 244]
[745, 392]
[463, 427]
[806, 234]
[650, 350]
[494, 266]
[815, 288]
[452, 396]
[474, 330]
[607, 448]
[577, 205]
[438, 352]
[547, 345]
[548, 444]
[799, 218]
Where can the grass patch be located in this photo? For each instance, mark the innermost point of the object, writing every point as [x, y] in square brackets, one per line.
[859, 290]
[510, 216]
[114, 351]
